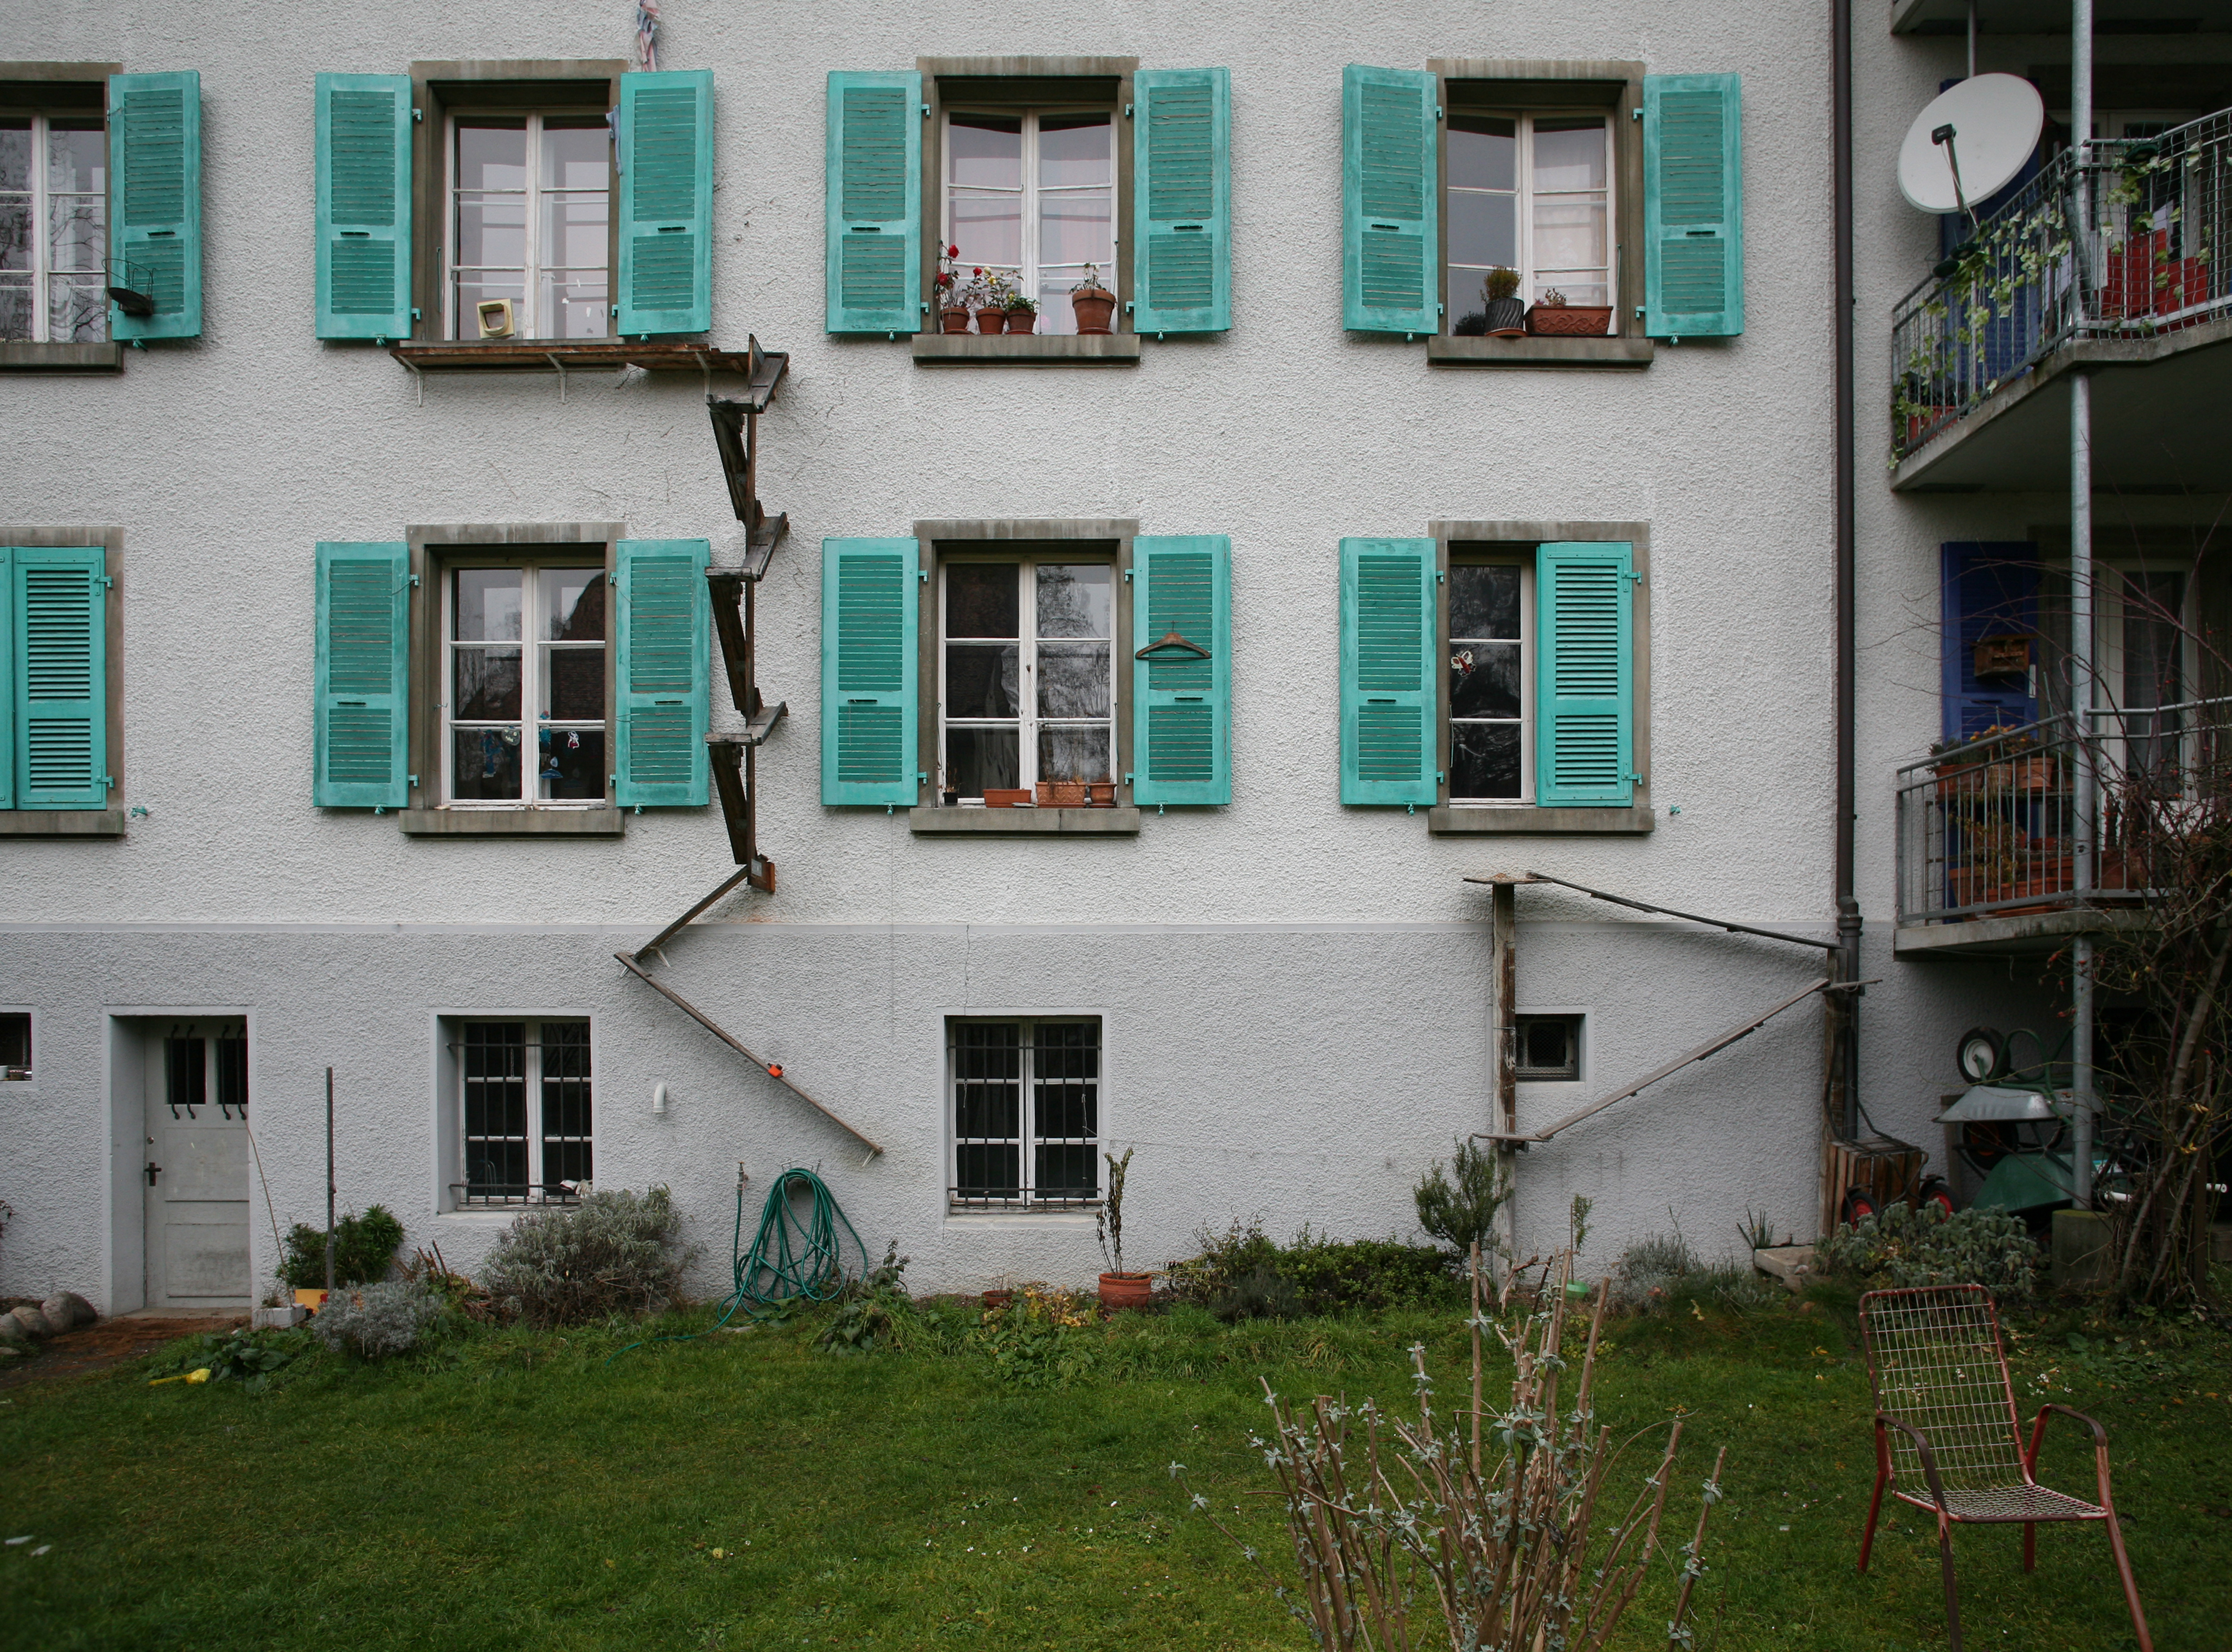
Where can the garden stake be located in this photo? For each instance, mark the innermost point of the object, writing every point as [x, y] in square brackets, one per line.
[329, 1184]
[1475, 1359]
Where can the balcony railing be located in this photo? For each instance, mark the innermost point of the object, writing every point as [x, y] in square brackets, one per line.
[1987, 828]
[2154, 257]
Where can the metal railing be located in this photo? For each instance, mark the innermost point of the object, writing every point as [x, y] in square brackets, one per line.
[2156, 221]
[1988, 826]
[480, 1195]
[1014, 1196]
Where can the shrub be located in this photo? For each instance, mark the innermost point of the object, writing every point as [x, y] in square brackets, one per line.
[1902, 1246]
[249, 1358]
[377, 1321]
[1038, 1339]
[1242, 1273]
[1657, 1271]
[1459, 1207]
[870, 1310]
[364, 1250]
[613, 1252]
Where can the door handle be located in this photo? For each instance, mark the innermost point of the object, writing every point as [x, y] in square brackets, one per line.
[153, 1171]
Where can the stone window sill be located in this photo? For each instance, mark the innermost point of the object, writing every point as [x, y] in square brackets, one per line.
[62, 823]
[16, 356]
[513, 823]
[1034, 348]
[1531, 352]
[1523, 820]
[1092, 822]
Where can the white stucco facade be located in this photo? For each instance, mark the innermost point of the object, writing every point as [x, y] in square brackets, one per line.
[1294, 993]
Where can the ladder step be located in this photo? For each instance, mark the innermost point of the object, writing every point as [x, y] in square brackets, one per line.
[756, 729]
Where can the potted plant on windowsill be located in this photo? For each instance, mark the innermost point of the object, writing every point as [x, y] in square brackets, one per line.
[952, 311]
[1553, 318]
[1092, 303]
[1022, 313]
[1506, 312]
[1118, 1289]
[982, 295]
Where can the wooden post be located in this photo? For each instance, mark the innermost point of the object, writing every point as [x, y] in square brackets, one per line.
[1503, 1041]
[329, 1181]
[1475, 1359]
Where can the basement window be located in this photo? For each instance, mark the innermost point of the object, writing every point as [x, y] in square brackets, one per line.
[526, 1108]
[15, 1045]
[1549, 1047]
[1025, 1103]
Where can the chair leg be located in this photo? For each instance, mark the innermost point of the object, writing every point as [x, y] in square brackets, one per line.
[1952, 1597]
[2030, 1545]
[1868, 1537]
[2131, 1588]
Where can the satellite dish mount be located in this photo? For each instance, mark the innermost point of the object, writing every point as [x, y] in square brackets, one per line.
[1945, 134]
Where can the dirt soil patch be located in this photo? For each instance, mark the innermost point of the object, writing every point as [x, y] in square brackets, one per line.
[112, 1341]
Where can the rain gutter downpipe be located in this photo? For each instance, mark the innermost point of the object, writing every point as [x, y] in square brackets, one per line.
[2083, 689]
[1848, 962]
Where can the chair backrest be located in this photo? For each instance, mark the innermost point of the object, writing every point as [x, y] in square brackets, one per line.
[1936, 1362]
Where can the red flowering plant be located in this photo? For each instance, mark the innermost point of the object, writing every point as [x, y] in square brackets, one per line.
[946, 284]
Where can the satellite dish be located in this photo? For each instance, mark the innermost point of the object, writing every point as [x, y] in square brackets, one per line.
[1970, 142]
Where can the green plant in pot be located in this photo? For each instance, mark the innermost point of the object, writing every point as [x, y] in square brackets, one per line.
[1118, 1288]
[1091, 302]
[1022, 313]
[1507, 311]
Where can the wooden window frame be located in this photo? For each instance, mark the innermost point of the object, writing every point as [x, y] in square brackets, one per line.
[1466, 552]
[85, 823]
[48, 89]
[1027, 1137]
[1524, 195]
[455, 1194]
[531, 566]
[440, 91]
[533, 205]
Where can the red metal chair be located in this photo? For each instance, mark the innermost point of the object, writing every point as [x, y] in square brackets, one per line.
[1945, 1418]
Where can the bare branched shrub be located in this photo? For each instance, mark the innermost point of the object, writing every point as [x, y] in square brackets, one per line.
[1402, 1538]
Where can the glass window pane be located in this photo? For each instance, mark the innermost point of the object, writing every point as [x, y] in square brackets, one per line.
[575, 305]
[977, 758]
[15, 307]
[980, 680]
[983, 1171]
[77, 312]
[1569, 235]
[1483, 600]
[1483, 152]
[573, 684]
[1484, 679]
[1069, 753]
[471, 292]
[574, 601]
[989, 229]
[492, 231]
[1074, 149]
[1569, 152]
[980, 599]
[486, 765]
[1073, 680]
[76, 241]
[1581, 291]
[492, 153]
[577, 152]
[487, 605]
[985, 151]
[1055, 314]
[1550, 1043]
[486, 684]
[571, 764]
[1484, 760]
[16, 153]
[1074, 228]
[77, 154]
[573, 232]
[1483, 230]
[1075, 598]
[16, 232]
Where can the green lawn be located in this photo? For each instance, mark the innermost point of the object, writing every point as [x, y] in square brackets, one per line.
[524, 1493]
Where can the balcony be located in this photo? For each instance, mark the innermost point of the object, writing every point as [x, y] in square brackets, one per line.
[2122, 270]
[1987, 828]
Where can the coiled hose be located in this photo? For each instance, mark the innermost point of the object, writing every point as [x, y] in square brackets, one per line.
[791, 1258]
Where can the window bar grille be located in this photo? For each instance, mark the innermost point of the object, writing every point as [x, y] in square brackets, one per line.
[1026, 1101]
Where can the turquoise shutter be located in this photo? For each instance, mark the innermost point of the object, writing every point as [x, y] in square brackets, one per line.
[1584, 703]
[6, 677]
[1182, 200]
[362, 739]
[1692, 205]
[874, 204]
[1390, 690]
[666, 202]
[155, 201]
[364, 206]
[663, 667]
[61, 649]
[1391, 185]
[1181, 707]
[869, 607]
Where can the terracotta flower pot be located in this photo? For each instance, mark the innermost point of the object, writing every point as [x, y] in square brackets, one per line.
[1120, 1290]
[1023, 320]
[954, 318]
[990, 321]
[1569, 320]
[998, 1298]
[1092, 306]
[1006, 797]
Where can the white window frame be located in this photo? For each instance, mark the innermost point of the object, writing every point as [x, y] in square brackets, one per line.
[538, 1185]
[1027, 1139]
[1579, 1018]
[528, 321]
[41, 196]
[1460, 558]
[530, 688]
[24, 1074]
[1027, 721]
[1027, 273]
[1531, 285]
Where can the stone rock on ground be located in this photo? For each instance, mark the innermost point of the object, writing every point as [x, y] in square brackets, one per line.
[30, 1325]
[66, 1310]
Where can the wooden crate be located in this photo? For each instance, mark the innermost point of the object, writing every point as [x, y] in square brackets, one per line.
[1888, 1168]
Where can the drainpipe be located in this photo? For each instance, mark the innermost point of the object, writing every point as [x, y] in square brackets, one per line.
[2082, 688]
[1847, 964]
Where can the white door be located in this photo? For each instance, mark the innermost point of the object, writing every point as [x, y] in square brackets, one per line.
[196, 1167]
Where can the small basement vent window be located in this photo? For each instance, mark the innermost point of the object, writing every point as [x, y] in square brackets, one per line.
[1549, 1047]
[15, 1044]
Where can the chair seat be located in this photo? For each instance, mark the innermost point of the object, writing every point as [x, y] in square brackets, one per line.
[2007, 1503]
